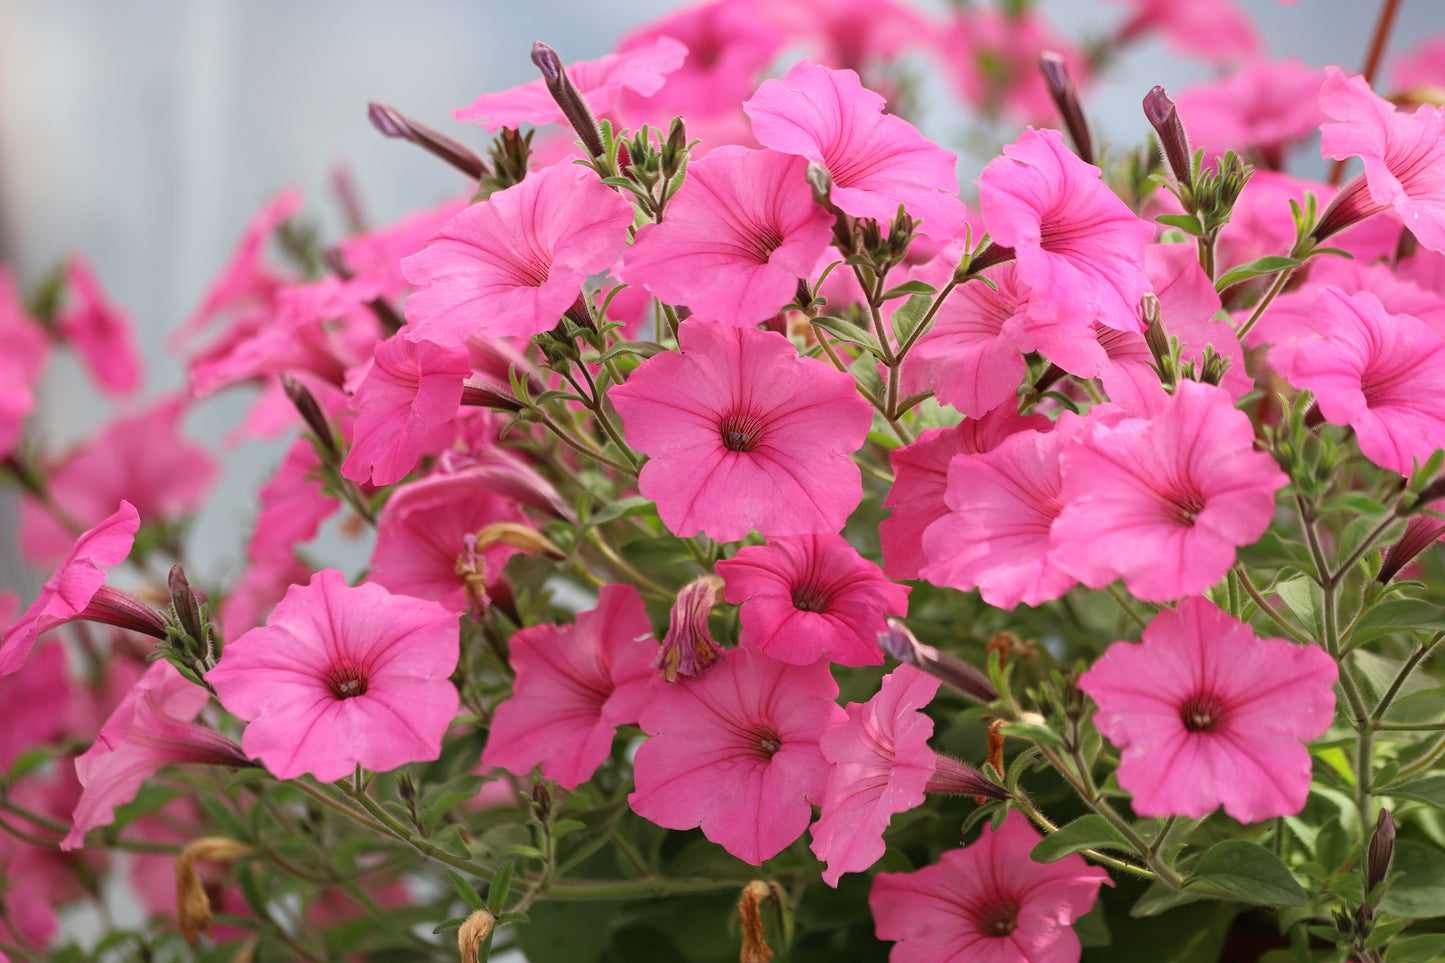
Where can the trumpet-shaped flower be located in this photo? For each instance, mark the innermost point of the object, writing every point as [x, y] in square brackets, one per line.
[735, 752]
[575, 685]
[736, 238]
[877, 161]
[744, 434]
[1207, 714]
[340, 677]
[1164, 502]
[805, 596]
[987, 903]
[512, 264]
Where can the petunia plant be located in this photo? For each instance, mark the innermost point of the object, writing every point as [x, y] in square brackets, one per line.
[753, 547]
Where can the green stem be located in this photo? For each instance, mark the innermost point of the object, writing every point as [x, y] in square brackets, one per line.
[927, 321]
[1043, 823]
[1280, 280]
[1138, 619]
[1269, 610]
[1422, 653]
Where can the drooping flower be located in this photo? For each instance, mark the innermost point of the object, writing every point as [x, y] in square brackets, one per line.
[1164, 502]
[99, 331]
[1079, 248]
[987, 902]
[575, 685]
[1382, 374]
[151, 729]
[340, 677]
[736, 238]
[512, 264]
[688, 648]
[66, 594]
[743, 433]
[805, 596]
[876, 161]
[735, 752]
[1403, 154]
[1207, 714]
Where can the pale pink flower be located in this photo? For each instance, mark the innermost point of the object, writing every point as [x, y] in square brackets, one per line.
[743, 433]
[805, 596]
[1208, 714]
[259, 588]
[1267, 106]
[641, 69]
[1216, 30]
[376, 256]
[1164, 502]
[736, 238]
[1422, 66]
[21, 363]
[1382, 374]
[99, 331]
[992, 57]
[142, 459]
[1078, 247]
[412, 388]
[1403, 154]
[877, 161]
[852, 34]
[35, 706]
[575, 685]
[512, 264]
[151, 729]
[66, 594]
[987, 903]
[342, 677]
[735, 752]
[293, 505]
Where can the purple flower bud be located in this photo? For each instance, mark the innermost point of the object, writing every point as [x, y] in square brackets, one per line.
[1381, 851]
[1066, 97]
[900, 643]
[568, 97]
[114, 607]
[1164, 117]
[393, 123]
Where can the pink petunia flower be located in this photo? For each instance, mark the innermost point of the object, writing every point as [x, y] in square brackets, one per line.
[735, 752]
[1078, 247]
[1404, 157]
[1266, 106]
[1164, 502]
[1382, 374]
[293, 504]
[66, 594]
[1207, 714]
[987, 902]
[743, 433]
[877, 161]
[375, 257]
[735, 239]
[100, 332]
[575, 685]
[151, 729]
[1216, 30]
[805, 596]
[21, 363]
[342, 677]
[512, 264]
[641, 69]
[992, 57]
[35, 706]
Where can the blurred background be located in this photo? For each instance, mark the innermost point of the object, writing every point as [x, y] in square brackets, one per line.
[145, 134]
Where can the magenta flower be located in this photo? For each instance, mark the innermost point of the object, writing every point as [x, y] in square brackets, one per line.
[38, 706]
[987, 903]
[1218, 31]
[513, 263]
[1404, 157]
[99, 332]
[575, 685]
[21, 363]
[735, 752]
[1207, 714]
[640, 69]
[412, 387]
[342, 677]
[736, 238]
[744, 434]
[879, 765]
[1079, 249]
[1382, 374]
[805, 596]
[149, 730]
[992, 57]
[66, 594]
[1164, 502]
[293, 504]
[1267, 106]
[877, 161]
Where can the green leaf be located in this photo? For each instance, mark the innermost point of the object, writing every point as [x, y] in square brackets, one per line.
[1033, 733]
[450, 839]
[527, 852]
[501, 885]
[1301, 596]
[1087, 832]
[1399, 615]
[1188, 223]
[1254, 269]
[909, 287]
[1352, 503]
[621, 508]
[1159, 898]
[1420, 892]
[567, 932]
[565, 826]
[641, 349]
[851, 333]
[1416, 949]
[910, 314]
[1248, 872]
[465, 890]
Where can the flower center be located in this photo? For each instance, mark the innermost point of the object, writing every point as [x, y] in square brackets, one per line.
[741, 431]
[768, 741]
[810, 598]
[1202, 713]
[998, 919]
[1183, 507]
[346, 680]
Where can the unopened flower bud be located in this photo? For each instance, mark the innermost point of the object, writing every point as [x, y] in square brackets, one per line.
[1381, 851]
[111, 606]
[311, 413]
[953, 778]
[568, 97]
[1066, 97]
[393, 123]
[477, 393]
[1349, 207]
[473, 934]
[820, 181]
[1164, 117]
[689, 649]
[900, 643]
[674, 149]
[193, 906]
